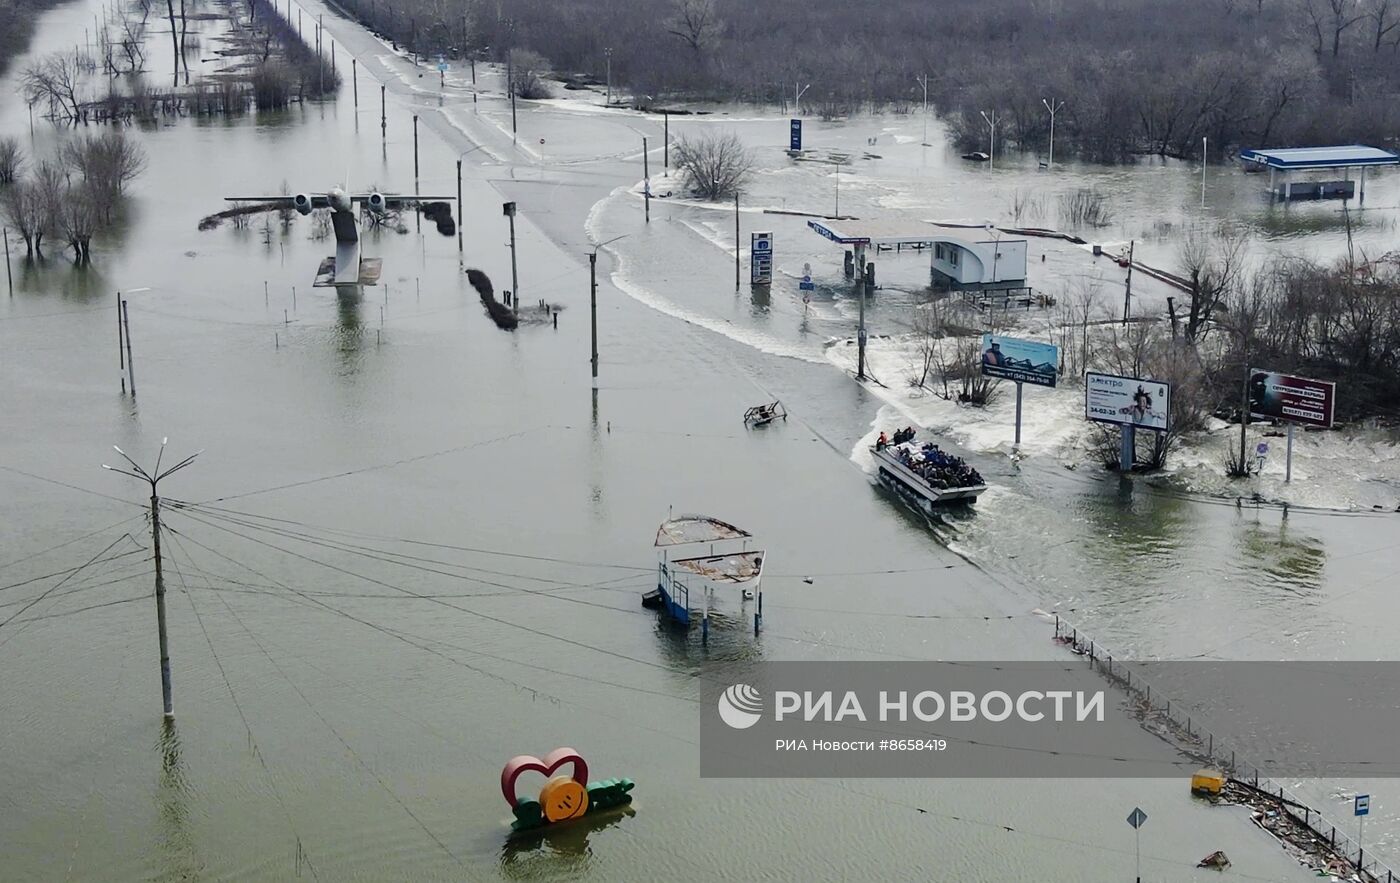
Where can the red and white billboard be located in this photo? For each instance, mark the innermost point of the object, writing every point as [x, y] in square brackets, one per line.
[1275, 396]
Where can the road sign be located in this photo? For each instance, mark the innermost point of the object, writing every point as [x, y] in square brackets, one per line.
[442, 66]
[807, 284]
[1137, 817]
[795, 135]
[1363, 805]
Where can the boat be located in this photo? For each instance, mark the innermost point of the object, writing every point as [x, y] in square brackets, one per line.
[976, 156]
[699, 553]
[925, 476]
[762, 415]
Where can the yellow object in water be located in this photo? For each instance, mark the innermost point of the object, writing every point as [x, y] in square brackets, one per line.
[1207, 781]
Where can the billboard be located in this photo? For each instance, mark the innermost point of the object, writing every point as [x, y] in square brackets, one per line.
[795, 135]
[761, 258]
[1275, 396]
[1128, 401]
[1024, 361]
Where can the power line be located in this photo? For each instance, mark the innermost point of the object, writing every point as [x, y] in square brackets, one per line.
[71, 487]
[77, 539]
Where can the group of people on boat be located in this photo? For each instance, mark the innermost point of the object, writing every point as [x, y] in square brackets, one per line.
[900, 437]
[941, 470]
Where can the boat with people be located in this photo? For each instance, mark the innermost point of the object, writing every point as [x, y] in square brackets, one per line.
[923, 473]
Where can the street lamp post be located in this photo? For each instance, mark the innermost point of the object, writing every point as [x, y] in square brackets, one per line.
[153, 479]
[593, 301]
[1054, 107]
[992, 149]
[923, 81]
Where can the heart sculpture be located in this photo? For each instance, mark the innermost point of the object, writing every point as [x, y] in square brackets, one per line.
[548, 765]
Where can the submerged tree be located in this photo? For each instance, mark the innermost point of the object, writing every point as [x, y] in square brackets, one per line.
[715, 165]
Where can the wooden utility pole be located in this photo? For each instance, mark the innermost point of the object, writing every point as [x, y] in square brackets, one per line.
[9, 274]
[509, 210]
[130, 365]
[666, 152]
[383, 116]
[415, 151]
[153, 479]
[646, 179]
[459, 209]
[355, 80]
[593, 308]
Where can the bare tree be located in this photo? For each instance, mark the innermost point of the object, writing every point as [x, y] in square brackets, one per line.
[1330, 19]
[11, 160]
[1211, 262]
[76, 219]
[715, 165]
[528, 70]
[54, 79]
[1384, 19]
[697, 23]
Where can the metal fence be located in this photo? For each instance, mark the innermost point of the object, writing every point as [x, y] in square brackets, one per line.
[1203, 745]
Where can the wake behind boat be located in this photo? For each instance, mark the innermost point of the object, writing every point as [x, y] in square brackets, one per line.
[923, 474]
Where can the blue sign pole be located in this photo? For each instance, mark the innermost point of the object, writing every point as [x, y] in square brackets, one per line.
[795, 135]
[1361, 808]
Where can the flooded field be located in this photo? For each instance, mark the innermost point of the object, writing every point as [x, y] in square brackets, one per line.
[414, 545]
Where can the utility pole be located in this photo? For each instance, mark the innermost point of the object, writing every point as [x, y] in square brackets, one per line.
[383, 117]
[459, 210]
[509, 210]
[1204, 156]
[130, 365]
[607, 59]
[736, 242]
[355, 80]
[121, 340]
[153, 479]
[646, 179]
[992, 150]
[666, 136]
[510, 89]
[798, 90]
[1054, 107]
[593, 309]
[9, 274]
[415, 151]
[1128, 284]
[923, 81]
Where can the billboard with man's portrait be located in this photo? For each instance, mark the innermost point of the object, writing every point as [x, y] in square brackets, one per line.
[1024, 361]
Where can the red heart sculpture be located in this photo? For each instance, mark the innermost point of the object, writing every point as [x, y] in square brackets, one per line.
[529, 763]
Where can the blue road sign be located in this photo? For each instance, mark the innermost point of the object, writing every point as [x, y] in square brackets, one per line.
[1363, 805]
[807, 284]
[1137, 817]
[795, 135]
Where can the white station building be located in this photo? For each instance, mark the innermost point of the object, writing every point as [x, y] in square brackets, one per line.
[988, 263]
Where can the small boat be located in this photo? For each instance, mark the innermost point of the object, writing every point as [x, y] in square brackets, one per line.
[762, 415]
[976, 156]
[925, 476]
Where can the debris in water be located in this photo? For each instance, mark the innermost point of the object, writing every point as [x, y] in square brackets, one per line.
[1218, 860]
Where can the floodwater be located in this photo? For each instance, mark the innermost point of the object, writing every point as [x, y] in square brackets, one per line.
[419, 542]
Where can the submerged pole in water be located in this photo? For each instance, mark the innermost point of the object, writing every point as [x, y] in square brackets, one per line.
[355, 80]
[121, 339]
[459, 212]
[130, 365]
[383, 116]
[9, 274]
[1288, 457]
[646, 179]
[593, 310]
[415, 148]
[1018, 413]
[736, 242]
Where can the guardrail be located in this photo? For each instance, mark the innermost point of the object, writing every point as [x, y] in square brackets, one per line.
[1202, 744]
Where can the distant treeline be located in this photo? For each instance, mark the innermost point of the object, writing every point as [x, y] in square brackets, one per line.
[1136, 76]
[17, 19]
